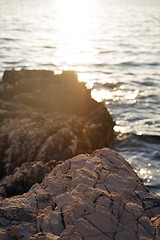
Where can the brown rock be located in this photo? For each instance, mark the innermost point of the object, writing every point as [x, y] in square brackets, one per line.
[44, 119]
[59, 209]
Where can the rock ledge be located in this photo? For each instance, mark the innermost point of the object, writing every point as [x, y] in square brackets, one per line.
[88, 197]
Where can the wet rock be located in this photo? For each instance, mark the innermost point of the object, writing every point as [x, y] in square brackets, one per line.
[44, 119]
[64, 206]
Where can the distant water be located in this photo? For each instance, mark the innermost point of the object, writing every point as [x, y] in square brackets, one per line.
[114, 45]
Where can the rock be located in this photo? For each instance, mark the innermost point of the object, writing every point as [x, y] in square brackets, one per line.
[88, 197]
[156, 224]
[45, 119]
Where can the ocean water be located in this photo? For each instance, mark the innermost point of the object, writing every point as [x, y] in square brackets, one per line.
[114, 45]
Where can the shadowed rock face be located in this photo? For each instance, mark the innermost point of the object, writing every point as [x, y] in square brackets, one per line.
[44, 119]
[88, 197]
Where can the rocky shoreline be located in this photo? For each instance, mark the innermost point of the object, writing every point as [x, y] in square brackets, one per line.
[88, 197]
[44, 119]
[46, 192]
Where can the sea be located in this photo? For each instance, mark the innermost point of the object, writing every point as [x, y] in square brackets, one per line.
[113, 45]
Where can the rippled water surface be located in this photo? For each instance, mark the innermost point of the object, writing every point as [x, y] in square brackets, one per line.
[114, 45]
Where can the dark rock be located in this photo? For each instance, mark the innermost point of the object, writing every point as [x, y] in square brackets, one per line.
[44, 119]
[88, 197]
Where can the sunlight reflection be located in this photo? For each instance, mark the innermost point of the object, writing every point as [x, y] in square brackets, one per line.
[114, 94]
[74, 39]
[101, 95]
[121, 129]
[145, 174]
[131, 95]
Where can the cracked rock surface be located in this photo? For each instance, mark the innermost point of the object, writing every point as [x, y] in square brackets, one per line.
[45, 118]
[88, 197]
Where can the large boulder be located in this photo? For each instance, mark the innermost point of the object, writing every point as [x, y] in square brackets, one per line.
[88, 197]
[45, 118]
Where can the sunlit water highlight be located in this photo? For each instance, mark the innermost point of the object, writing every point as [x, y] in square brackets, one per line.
[115, 48]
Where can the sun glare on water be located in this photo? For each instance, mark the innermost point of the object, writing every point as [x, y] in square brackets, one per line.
[73, 22]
